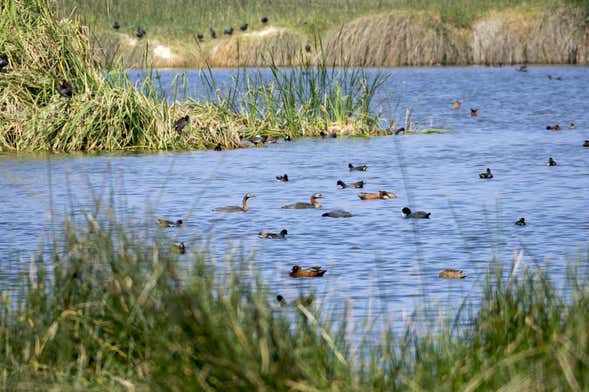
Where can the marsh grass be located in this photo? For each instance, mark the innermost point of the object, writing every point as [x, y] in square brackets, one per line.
[109, 307]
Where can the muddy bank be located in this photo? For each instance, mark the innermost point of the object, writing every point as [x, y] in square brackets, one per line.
[399, 38]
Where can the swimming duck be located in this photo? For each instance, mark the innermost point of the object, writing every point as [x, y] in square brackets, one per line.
[555, 127]
[311, 272]
[554, 77]
[167, 223]
[586, 143]
[243, 27]
[200, 36]
[486, 174]
[181, 123]
[450, 273]
[381, 195]
[551, 162]
[65, 89]
[243, 208]
[283, 178]
[313, 204]
[264, 19]
[116, 25]
[356, 185]
[140, 32]
[3, 61]
[337, 214]
[521, 222]
[178, 247]
[213, 33]
[522, 68]
[302, 300]
[474, 112]
[357, 168]
[228, 31]
[456, 105]
[281, 235]
[416, 215]
[572, 126]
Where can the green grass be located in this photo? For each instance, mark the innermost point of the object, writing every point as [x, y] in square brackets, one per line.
[107, 308]
[181, 19]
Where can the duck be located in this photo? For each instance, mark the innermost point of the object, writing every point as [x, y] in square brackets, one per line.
[474, 112]
[450, 273]
[65, 89]
[586, 143]
[283, 178]
[302, 300]
[355, 185]
[140, 32]
[116, 25]
[243, 27]
[168, 223]
[200, 36]
[325, 135]
[456, 105]
[311, 272]
[181, 123]
[357, 168]
[178, 247]
[228, 31]
[381, 195]
[218, 147]
[555, 127]
[281, 235]
[550, 77]
[337, 214]
[213, 33]
[244, 208]
[264, 19]
[301, 205]
[572, 126]
[415, 215]
[3, 61]
[551, 162]
[521, 222]
[486, 174]
[522, 68]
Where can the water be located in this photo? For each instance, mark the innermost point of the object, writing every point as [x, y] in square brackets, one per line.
[385, 265]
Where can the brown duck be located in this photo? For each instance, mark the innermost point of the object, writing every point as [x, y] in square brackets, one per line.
[311, 272]
[381, 195]
[449, 273]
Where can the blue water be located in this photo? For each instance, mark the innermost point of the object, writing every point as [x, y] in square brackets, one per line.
[384, 264]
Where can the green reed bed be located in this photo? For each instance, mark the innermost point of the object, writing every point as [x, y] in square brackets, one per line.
[106, 112]
[107, 309]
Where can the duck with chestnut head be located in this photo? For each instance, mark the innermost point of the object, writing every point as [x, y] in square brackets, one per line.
[310, 272]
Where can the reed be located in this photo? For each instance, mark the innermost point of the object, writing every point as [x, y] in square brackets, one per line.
[111, 307]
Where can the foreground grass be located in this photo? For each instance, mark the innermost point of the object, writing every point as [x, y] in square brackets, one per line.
[106, 112]
[107, 309]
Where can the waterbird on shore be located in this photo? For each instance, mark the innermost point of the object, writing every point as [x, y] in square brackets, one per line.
[200, 36]
[486, 175]
[181, 123]
[354, 185]
[140, 32]
[572, 126]
[521, 222]
[116, 25]
[228, 31]
[456, 105]
[65, 89]
[3, 61]
[168, 223]
[381, 195]
[283, 178]
[178, 247]
[450, 273]
[244, 206]
[281, 235]
[218, 147]
[264, 19]
[357, 168]
[337, 214]
[551, 162]
[213, 33]
[415, 215]
[555, 127]
[311, 272]
[324, 134]
[474, 112]
[301, 205]
[243, 27]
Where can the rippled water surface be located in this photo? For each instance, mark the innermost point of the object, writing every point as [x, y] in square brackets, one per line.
[376, 254]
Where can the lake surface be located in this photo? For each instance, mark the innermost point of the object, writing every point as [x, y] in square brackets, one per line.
[384, 264]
